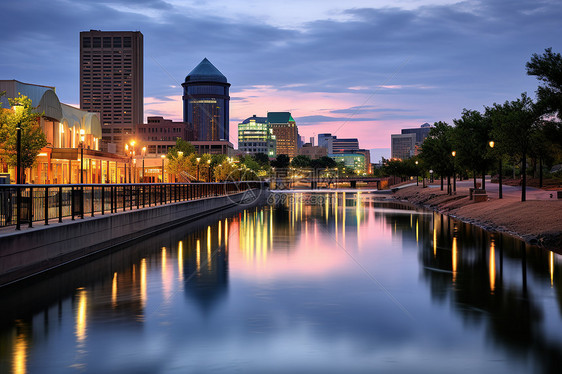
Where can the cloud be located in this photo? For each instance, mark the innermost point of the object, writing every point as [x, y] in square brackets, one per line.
[430, 60]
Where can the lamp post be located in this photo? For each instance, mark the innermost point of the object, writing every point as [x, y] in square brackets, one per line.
[125, 163]
[143, 154]
[431, 175]
[82, 132]
[417, 178]
[163, 158]
[18, 176]
[500, 171]
[18, 157]
[454, 153]
[209, 165]
[198, 159]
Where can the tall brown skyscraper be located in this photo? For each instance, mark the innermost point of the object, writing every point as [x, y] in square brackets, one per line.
[111, 82]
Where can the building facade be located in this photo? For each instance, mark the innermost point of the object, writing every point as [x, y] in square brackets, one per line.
[286, 133]
[206, 103]
[158, 134]
[256, 136]
[312, 151]
[355, 161]
[421, 132]
[111, 83]
[402, 146]
[70, 133]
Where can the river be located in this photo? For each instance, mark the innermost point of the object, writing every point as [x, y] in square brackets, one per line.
[317, 282]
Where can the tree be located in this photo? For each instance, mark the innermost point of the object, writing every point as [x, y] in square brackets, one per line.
[282, 161]
[436, 150]
[548, 69]
[33, 138]
[470, 138]
[514, 125]
[181, 146]
[262, 159]
[301, 162]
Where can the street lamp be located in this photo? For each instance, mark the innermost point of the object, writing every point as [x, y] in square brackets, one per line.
[198, 159]
[431, 175]
[417, 178]
[143, 154]
[82, 132]
[18, 149]
[454, 153]
[163, 158]
[500, 171]
[209, 165]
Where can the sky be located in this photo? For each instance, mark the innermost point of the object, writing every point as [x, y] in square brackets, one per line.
[354, 68]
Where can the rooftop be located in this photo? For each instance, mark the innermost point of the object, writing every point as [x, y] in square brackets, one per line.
[205, 72]
[279, 117]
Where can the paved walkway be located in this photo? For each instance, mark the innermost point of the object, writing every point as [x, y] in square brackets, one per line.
[507, 191]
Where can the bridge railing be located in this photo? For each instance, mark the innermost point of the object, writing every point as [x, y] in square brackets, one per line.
[28, 203]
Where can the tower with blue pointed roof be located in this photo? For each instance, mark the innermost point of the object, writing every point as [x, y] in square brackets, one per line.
[206, 102]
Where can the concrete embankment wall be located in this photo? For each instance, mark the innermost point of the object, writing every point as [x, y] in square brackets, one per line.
[33, 251]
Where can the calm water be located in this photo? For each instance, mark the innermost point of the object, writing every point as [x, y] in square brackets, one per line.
[314, 284]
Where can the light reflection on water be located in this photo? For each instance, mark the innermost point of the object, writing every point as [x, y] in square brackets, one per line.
[320, 282]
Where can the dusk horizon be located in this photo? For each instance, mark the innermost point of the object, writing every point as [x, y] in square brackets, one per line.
[363, 70]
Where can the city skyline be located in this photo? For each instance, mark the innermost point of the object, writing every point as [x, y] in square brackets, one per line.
[363, 69]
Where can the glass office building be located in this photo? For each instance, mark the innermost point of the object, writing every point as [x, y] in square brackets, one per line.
[256, 136]
[206, 102]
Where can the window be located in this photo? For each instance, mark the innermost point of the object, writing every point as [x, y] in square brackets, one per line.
[97, 41]
[116, 42]
[107, 42]
[87, 42]
[127, 42]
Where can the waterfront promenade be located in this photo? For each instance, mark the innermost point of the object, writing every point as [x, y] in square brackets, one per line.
[32, 250]
[537, 220]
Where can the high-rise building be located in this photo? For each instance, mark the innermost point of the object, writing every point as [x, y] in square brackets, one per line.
[206, 102]
[402, 146]
[256, 136]
[337, 145]
[286, 132]
[421, 132]
[111, 82]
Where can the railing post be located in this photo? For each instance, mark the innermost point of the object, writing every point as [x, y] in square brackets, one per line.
[18, 207]
[92, 197]
[124, 197]
[60, 204]
[149, 193]
[102, 200]
[46, 205]
[82, 200]
[131, 197]
[30, 208]
[137, 189]
[143, 204]
[111, 199]
[72, 202]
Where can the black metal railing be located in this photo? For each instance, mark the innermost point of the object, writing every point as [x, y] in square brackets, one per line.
[28, 203]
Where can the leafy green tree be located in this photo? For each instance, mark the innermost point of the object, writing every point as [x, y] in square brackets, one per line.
[181, 146]
[282, 161]
[548, 69]
[301, 162]
[323, 162]
[436, 150]
[262, 159]
[514, 126]
[33, 138]
[470, 138]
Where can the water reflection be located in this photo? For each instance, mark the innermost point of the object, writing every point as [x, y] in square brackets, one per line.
[287, 288]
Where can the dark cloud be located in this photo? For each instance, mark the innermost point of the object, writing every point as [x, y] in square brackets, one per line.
[471, 53]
